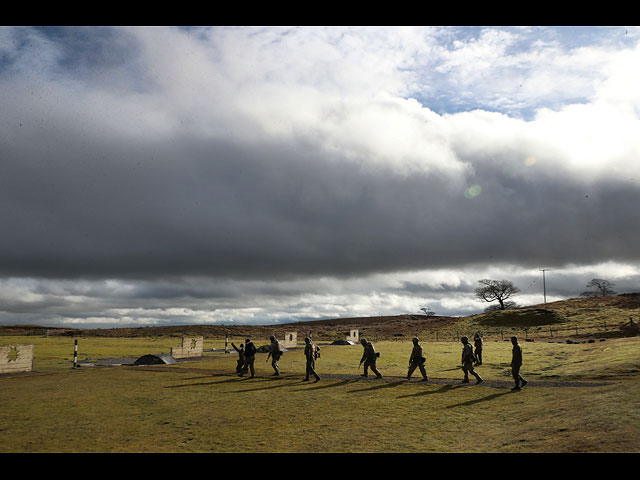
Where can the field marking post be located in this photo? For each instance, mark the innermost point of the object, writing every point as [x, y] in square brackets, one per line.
[226, 344]
[75, 353]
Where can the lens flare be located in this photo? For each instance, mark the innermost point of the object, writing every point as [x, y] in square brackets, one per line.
[473, 191]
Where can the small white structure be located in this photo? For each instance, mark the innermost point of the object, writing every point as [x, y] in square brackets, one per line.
[16, 358]
[191, 347]
[290, 340]
[354, 336]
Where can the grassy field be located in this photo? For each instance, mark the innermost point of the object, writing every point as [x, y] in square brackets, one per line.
[200, 406]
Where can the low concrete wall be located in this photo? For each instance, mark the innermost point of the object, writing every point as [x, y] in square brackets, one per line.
[290, 340]
[354, 336]
[16, 358]
[191, 347]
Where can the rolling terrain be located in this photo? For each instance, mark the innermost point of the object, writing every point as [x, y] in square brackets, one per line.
[571, 318]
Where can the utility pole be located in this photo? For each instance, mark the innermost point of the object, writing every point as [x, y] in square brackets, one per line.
[544, 285]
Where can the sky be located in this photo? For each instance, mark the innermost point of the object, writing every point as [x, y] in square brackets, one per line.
[262, 175]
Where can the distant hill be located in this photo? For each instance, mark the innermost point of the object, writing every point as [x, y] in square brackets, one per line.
[578, 316]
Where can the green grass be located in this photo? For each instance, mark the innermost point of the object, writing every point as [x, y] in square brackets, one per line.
[201, 406]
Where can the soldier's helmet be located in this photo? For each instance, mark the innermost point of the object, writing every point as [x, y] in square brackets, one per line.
[273, 339]
[247, 340]
[307, 340]
[464, 339]
[415, 340]
[363, 341]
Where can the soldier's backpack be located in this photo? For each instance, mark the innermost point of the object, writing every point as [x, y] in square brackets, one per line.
[315, 350]
[469, 356]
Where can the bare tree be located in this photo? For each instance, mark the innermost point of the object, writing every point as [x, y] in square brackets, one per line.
[602, 288]
[427, 312]
[497, 290]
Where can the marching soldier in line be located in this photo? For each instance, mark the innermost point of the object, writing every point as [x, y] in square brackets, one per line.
[369, 358]
[311, 353]
[240, 351]
[477, 341]
[516, 363]
[417, 360]
[249, 358]
[467, 361]
[275, 353]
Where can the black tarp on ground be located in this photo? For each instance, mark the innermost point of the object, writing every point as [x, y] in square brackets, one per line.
[155, 359]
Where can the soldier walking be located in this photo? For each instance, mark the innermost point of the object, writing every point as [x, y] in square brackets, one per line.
[516, 363]
[477, 341]
[249, 358]
[417, 360]
[275, 352]
[369, 358]
[240, 351]
[467, 361]
[311, 353]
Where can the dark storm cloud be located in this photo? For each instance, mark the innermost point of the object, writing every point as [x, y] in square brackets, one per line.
[193, 207]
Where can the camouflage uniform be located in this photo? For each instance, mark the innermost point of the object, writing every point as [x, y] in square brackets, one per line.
[516, 363]
[417, 360]
[275, 353]
[249, 358]
[467, 361]
[240, 351]
[477, 341]
[369, 358]
[310, 352]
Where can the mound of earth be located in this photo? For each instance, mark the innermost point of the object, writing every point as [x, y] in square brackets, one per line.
[521, 318]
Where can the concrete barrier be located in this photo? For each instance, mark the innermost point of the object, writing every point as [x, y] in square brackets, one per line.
[290, 340]
[16, 358]
[354, 336]
[191, 347]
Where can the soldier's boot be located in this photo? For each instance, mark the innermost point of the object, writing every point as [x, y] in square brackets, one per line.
[523, 382]
[317, 379]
